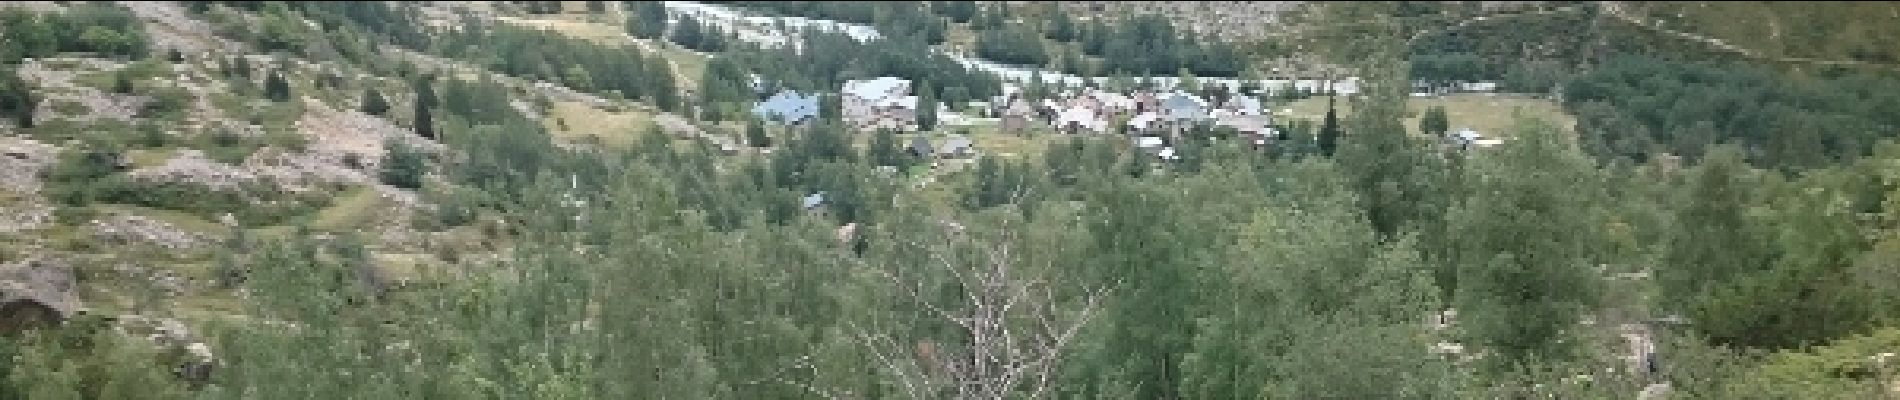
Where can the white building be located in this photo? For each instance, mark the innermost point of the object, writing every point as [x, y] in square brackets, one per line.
[882, 103]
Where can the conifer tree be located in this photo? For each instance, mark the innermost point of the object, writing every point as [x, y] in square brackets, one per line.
[276, 88]
[374, 103]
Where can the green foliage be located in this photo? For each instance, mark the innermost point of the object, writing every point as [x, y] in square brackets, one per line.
[926, 108]
[85, 360]
[1855, 367]
[424, 116]
[726, 88]
[103, 28]
[884, 150]
[755, 134]
[1640, 107]
[1150, 45]
[1329, 130]
[647, 19]
[533, 54]
[1530, 236]
[403, 166]
[828, 59]
[1014, 45]
[276, 88]
[17, 102]
[1434, 123]
[958, 11]
[122, 82]
[690, 33]
[374, 103]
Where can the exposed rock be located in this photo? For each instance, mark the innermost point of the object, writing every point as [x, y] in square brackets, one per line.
[20, 218]
[57, 86]
[171, 27]
[21, 161]
[133, 229]
[191, 166]
[35, 289]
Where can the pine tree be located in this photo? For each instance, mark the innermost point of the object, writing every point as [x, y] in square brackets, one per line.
[374, 103]
[831, 107]
[1434, 123]
[648, 20]
[755, 134]
[1329, 130]
[883, 150]
[276, 88]
[926, 108]
[402, 166]
[16, 99]
[122, 82]
[425, 100]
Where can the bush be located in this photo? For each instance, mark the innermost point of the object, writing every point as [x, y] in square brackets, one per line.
[403, 167]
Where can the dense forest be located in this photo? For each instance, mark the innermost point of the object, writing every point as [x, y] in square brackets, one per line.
[1146, 45]
[1093, 270]
[1637, 107]
[108, 30]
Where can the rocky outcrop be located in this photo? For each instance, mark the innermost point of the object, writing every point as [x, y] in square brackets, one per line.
[191, 166]
[21, 161]
[133, 229]
[24, 217]
[57, 86]
[34, 291]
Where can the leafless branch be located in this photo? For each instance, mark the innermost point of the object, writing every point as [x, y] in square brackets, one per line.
[1014, 328]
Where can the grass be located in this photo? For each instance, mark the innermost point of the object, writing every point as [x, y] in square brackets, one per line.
[146, 158]
[581, 121]
[403, 266]
[1831, 30]
[180, 219]
[100, 80]
[1489, 115]
[690, 66]
[351, 209]
[994, 143]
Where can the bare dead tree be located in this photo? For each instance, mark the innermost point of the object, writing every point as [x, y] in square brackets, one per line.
[1014, 322]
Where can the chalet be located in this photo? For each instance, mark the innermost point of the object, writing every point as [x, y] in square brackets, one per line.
[1144, 122]
[1019, 117]
[956, 147]
[1468, 138]
[1246, 124]
[1181, 110]
[920, 147]
[880, 103]
[1167, 154]
[1150, 143]
[1477, 87]
[788, 107]
[813, 203]
[1079, 119]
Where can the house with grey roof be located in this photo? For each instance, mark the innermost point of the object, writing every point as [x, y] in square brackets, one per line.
[788, 107]
[1020, 117]
[920, 147]
[956, 147]
[1181, 110]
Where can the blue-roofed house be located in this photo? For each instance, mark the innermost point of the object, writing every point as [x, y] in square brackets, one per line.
[814, 203]
[788, 107]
